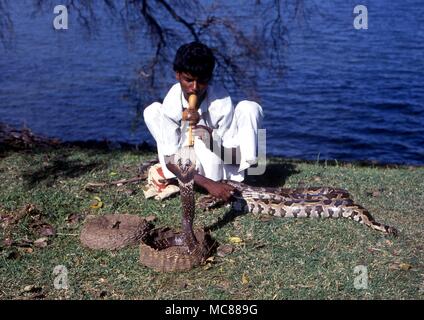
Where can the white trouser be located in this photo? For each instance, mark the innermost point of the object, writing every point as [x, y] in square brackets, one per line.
[242, 135]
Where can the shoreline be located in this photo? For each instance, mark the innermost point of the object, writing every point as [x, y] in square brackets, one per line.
[24, 139]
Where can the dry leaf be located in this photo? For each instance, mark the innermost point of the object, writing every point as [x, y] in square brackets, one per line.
[26, 250]
[400, 266]
[207, 266]
[74, 218]
[405, 266]
[209, 262]
[245, 279]
[224, 250]
[31, 209]
[210, 259]
[235, 240]
[47, 230]
[129, 192]
[43, 228]
[225, 284]
[265, 217]
[41, 243]
[96, 203]
[32, 288]
[389, 243]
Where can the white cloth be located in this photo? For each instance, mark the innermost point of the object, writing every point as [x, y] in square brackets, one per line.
[232, 128]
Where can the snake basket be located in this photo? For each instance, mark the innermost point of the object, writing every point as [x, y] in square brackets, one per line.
[163, 251]
[114, 231]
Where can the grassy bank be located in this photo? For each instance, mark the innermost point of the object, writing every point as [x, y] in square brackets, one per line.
[277, 258]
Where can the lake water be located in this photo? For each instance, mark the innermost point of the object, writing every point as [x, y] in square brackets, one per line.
[347, 94]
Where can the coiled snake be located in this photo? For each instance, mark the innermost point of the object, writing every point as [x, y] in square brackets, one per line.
[319, 202]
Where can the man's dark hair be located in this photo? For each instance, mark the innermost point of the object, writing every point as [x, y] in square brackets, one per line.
[196, 59]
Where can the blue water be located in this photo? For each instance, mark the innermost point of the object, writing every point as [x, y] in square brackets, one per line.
[347, 94]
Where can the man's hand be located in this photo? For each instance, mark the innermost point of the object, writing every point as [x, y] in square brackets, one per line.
[191, 115]
[220, 190]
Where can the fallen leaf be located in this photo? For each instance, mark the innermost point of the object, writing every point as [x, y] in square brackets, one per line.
[376, 193]
[129, 192]
[31, 209]
[207, 266]
[317, 179]
[32, 288]
[245, 279]
[7, 220]
[405, 266]
[225, 284]
[400, 266]
[41, 243]
[74, 218]
[224, 250]
[112, 174]
[47, 230]
[235, 240]
[389, 243]
[265, 218]
[393, 266]
[26, 250]
[209, 263]
[96, 203]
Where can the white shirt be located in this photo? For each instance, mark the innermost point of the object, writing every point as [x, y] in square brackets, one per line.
[216, 112]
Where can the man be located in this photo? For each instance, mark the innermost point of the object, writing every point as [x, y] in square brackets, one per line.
[223, 134]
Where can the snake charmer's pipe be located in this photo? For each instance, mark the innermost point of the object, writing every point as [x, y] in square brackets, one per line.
[192, 105]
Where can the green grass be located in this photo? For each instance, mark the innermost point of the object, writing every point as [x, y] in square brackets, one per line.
[280, 258]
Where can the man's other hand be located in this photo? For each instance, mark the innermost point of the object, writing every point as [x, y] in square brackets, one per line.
[220, 190]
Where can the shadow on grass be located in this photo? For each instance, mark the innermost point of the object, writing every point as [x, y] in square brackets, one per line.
[275, 175]
[58, 168]
[228, 217]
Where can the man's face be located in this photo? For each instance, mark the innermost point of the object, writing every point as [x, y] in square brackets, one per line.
[192, 85]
